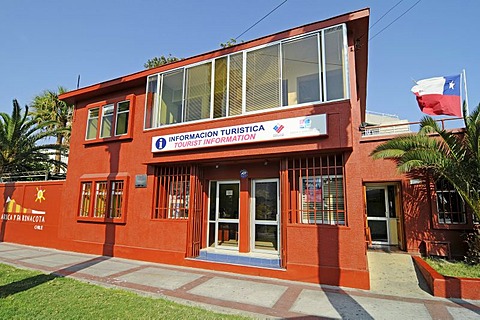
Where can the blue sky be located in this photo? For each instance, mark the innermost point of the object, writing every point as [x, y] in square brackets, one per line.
[48, 43]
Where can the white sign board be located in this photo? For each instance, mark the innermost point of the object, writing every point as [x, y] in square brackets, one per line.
[299, 127]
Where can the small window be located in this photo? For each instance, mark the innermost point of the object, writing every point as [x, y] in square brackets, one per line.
[107, 121]
[100, 199]
[92, 123]
[121, 123]
[450, 206]
[107, 201]
[116, 199]
[85, 199]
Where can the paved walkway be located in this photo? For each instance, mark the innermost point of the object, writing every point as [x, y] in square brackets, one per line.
[257, 297]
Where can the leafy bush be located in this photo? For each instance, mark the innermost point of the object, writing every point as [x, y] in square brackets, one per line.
[473, 241]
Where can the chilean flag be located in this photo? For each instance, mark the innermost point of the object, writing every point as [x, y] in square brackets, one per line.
[439, 96]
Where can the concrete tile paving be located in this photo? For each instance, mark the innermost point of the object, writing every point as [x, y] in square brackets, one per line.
[160, 278]
[242, 291]
[256, 297]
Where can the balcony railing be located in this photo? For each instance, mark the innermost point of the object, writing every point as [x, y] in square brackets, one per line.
[407, 127]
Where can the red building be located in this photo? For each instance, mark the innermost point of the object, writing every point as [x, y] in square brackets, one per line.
[246, 159]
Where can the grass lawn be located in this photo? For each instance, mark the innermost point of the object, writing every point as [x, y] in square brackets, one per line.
[454, 268]
[26, 294]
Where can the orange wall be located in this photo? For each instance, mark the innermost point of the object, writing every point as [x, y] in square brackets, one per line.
[30, 212]
[418, 203]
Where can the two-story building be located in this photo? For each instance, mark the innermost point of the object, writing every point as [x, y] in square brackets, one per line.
[252, 159]
[240, 159]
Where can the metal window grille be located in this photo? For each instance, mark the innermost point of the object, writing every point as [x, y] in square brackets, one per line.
[85, 199]
[450, 206]
[100, 199]
[316, 189]
[172, 193]
[116, 199]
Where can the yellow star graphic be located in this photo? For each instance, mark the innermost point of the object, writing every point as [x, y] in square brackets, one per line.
[40, 195]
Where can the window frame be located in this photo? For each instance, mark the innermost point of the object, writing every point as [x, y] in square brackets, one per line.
[166, 204]
[101, 106]
[110, 180]
[329, 166]
[320, 35]
[435, 214]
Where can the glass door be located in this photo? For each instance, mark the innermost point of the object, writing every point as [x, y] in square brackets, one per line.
[226, 208]
[265, 215]
[377, 214]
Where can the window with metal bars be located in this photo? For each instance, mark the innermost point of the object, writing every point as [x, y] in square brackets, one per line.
[172, 193]
[450, 206]
[316, 190]
[107, 201]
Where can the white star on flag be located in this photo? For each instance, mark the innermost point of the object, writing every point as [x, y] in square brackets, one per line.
[451, 85]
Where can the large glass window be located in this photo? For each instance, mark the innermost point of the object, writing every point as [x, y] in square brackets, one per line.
[171, 98]
[335, 68]
[308, 69]
[235, 94]
[220, 89]
[198, 92]
[263, 76]
[450, 206]
[151, 102]
[301, 81]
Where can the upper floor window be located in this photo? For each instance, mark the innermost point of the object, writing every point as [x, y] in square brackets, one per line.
[450, 206]
[108, 120]
[306, 69]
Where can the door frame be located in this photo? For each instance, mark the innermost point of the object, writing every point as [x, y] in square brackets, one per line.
[387, 212]
[400, 240]
[217, 214]
[253, 220]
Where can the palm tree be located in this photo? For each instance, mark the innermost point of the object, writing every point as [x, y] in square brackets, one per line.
[20, 143]
[441, 154]
[46, 107]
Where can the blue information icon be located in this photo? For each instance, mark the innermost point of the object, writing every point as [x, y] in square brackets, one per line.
[160, 143]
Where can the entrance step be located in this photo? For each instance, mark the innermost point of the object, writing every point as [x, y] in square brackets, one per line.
[254, 260]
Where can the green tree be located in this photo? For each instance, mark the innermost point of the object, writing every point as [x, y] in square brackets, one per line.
[230, 43]
[20, 143]
[159, 61]
[441, 154]
[46, 107]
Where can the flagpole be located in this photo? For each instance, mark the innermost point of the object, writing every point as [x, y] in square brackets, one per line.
[466, 92]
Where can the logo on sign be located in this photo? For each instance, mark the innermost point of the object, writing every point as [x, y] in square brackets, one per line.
[305, 123]
[278, 128]
[160, 143]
